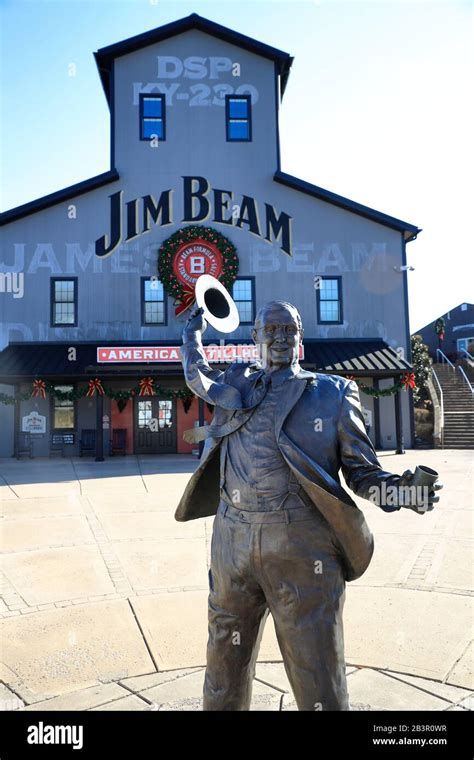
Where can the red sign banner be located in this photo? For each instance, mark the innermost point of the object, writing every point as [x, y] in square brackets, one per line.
[155, 354]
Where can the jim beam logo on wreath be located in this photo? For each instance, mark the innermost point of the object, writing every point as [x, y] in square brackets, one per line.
[190, 253]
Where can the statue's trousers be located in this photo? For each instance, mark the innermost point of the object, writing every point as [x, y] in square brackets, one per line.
[284, 562]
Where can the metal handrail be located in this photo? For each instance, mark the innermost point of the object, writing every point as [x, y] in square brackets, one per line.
[466, 379]
[441, 405]
[464, 351]
[444, 358]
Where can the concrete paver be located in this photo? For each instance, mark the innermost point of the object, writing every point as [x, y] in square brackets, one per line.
[9, 700]
[443, 690]
[42, 577]
[457, 552]
[385, 566]
[462, 671]
[417, 632]
[78, 531]
[24, 533]
[274, 674]
[140, 683]
[72, 504]
[184, 642]
[269, 649]
[173, 694]
[163, 564]
[386, 693]
[130, 703]
[57, 651]
[467, 703]
[85, 699]
[181, 689]
[158, 526]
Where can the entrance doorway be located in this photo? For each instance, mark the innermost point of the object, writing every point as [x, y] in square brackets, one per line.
[155, 426]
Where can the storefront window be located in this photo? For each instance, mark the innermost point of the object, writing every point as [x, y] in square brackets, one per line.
[165, 414]
[145, 414]
[63, 409]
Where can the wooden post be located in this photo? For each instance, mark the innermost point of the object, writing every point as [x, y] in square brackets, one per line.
[16, 420]
[398, 423]
[377, 416]
[99, 432]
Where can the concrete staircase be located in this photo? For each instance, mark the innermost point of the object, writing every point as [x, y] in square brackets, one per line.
[458, 408]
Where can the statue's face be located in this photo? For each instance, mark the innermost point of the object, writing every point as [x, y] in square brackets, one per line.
[279, 336]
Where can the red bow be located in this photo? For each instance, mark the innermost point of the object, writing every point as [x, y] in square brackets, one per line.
[95, 385]
[186, 300]
[408, 380]
[349, 377]
[146, 387]
[39, 389]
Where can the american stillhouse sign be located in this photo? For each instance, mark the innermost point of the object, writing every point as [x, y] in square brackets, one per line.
[142, 354]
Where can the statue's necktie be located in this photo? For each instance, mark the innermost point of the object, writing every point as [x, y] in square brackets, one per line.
[255, 394]
[258, 390]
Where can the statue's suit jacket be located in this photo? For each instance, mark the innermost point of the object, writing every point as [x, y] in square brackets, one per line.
[320, 429]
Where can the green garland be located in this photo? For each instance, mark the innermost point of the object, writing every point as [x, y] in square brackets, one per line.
[121, 396]
[405, 382]
[440, 328]
[169, 247]
[369, 391]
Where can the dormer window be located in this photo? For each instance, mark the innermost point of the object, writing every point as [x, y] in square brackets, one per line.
[152, 116]
[238, 112]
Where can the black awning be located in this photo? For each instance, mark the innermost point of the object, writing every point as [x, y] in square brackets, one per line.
[41, 360]
[365, 357]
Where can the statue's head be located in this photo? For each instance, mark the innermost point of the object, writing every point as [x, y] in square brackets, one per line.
[279, 331]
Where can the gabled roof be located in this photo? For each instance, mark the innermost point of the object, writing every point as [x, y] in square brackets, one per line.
[106, 55]
[444, 315]
[104, 59]
[65, 194]
[410, 231]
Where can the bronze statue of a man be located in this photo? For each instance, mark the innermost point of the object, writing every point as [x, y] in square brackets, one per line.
[286, 535]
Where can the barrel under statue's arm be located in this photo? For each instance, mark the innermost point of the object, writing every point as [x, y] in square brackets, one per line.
[207, 383]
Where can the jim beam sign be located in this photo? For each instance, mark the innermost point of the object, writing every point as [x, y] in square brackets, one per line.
[129, 219]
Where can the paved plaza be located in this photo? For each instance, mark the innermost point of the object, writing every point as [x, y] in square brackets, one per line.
[104, 595]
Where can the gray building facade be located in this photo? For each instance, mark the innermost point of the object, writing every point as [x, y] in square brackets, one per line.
[195, 151]
[458, 333]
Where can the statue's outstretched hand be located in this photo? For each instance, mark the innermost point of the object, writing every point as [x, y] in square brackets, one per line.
[420, 499]
[195, 322]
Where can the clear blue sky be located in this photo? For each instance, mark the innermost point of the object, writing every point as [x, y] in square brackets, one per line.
[378, 108]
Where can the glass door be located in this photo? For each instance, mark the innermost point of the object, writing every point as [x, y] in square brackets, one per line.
[155, 426]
